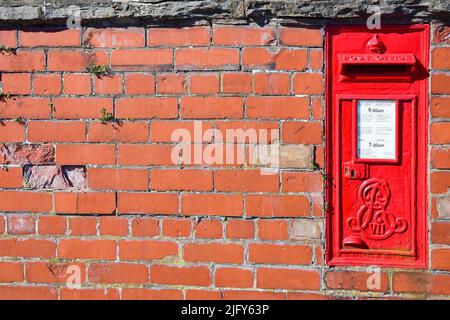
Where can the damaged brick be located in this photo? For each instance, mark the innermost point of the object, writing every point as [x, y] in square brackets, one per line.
[26, 154]
[54, 177]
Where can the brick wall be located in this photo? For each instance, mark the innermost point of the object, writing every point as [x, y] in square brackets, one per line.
[89, 183]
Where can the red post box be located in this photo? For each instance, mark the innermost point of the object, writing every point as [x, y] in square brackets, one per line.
[376, 137]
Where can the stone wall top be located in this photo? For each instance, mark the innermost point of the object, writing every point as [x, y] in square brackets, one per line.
[228, 11]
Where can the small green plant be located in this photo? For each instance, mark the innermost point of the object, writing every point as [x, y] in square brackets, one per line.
[107, 117]
[98, 70]
[5, 167]
[4, 96]
[52, 106]
[6, 49]
[20, 120]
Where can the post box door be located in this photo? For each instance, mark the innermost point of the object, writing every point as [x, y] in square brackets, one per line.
[377, 146]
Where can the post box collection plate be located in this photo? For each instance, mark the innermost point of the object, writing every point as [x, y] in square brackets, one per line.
[376, 145]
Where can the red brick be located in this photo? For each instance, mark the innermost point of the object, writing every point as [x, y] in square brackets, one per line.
[301, 37]
[23, 61]
[118, 273]
[211, 107]
[47, 84]
[315, 58]
[71, 60]
[243, 36]
[11, 272]
[259, 58]
[192, 36]
[176, 227]
[27, 248]
[137, 83]
[112, 84]
[245, 181]
[77, 154]
[441, 33]
[117, 179]
[204, 83]
[162, 131]
[16, 83]
[198, 180]
[29, 108]
[421, 283]
[89, 294]
[11, 132]
[52, 225]
[148, 154]
[119, 132]
[8, 38]
[87, 249]
[440, 259]
[233, 278]
[250, 132]
[144, 108]
[240, 229]
[214, 252]
[212, 204]
[76, 108]
[253, 295]
[279, 254]
[288, 279]
[273, 229]
[353, 280]
[440, 233]
[85, 202]
[83, 226]
[277, 206]
[272, 83]
[114, 37]
[308, 83]
[302, 132]
[77, 83]
[2, 225]
[113, 226]
[21, 224]
[291, 60]
[440, 133]
[208, 229]
[317, 108]
[183, 276]
[50, 38]
[25, 201]
[144, 59]
[147, 250]
[203, 295]
[277, 107]
[28, 293]
[440, 83]
[301, 182]
[151, 294]
[440, 158]
[439, 58]
[44, 272]
[207, 59]
[56, 131]
[142, 227]
[168, 83]
[237, 82]
[11, 178]
[147, 203]
[439, 182]
[440, 107]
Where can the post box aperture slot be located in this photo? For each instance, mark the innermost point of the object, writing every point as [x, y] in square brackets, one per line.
[376, 67]
[375, 130]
